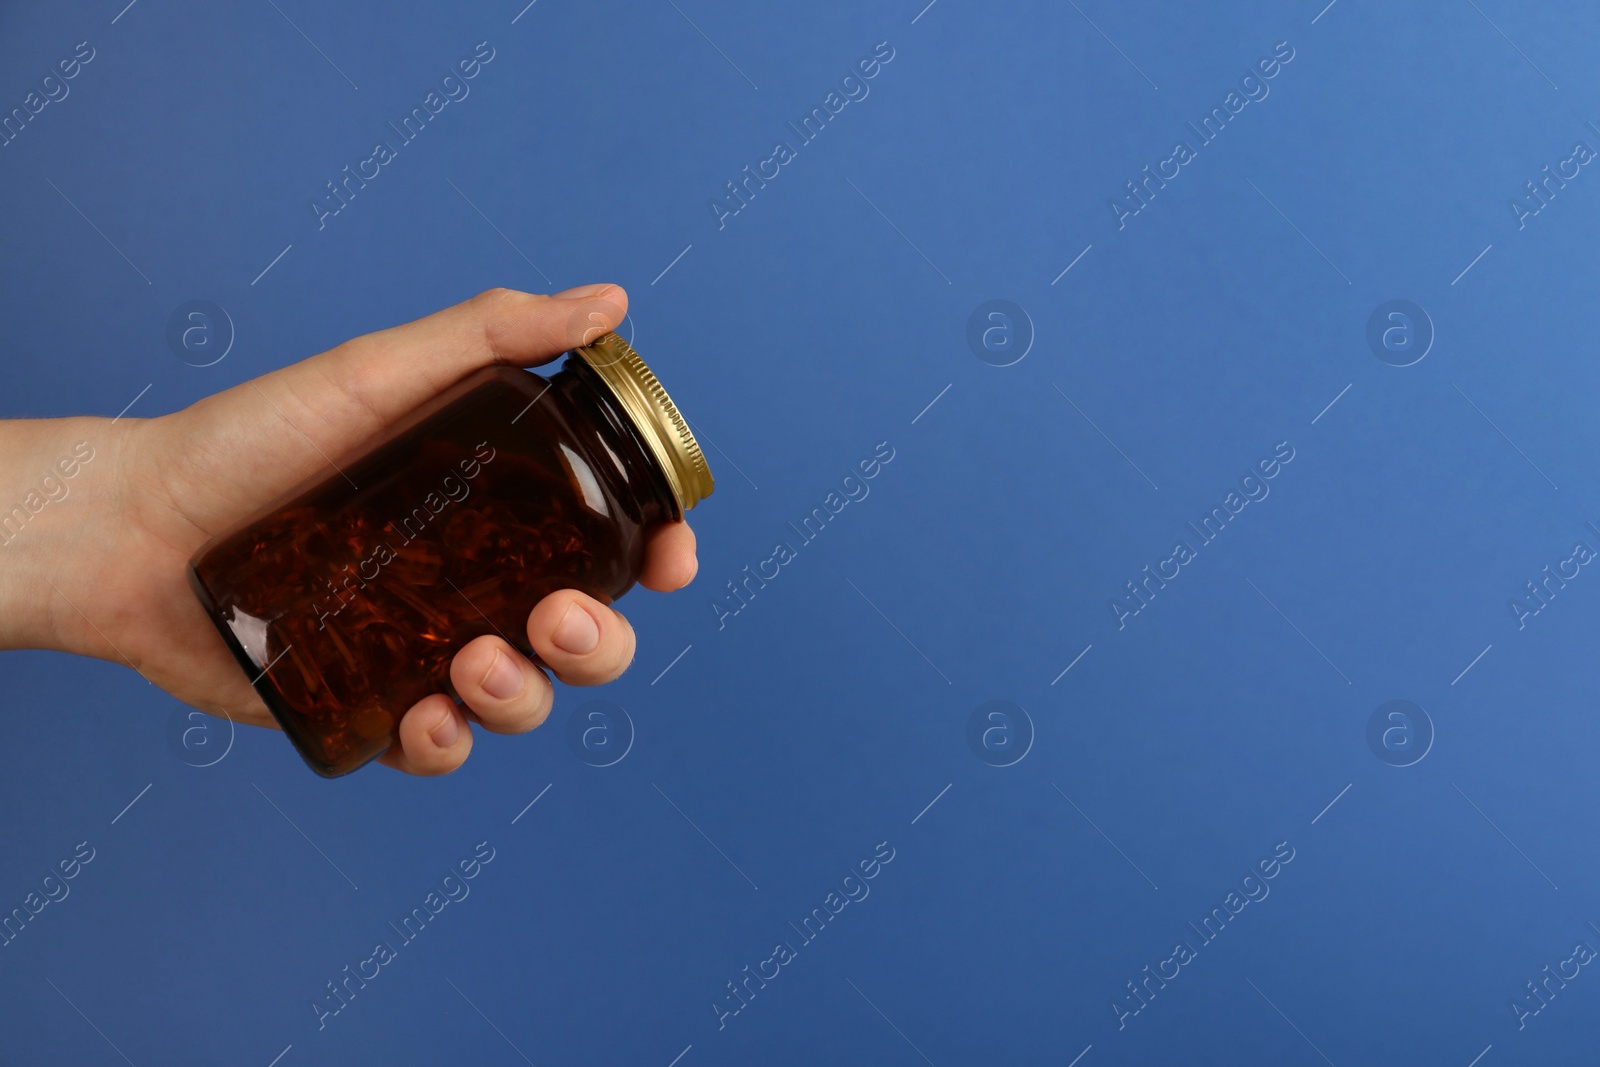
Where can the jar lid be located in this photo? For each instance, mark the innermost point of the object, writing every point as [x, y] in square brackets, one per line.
[654, 415]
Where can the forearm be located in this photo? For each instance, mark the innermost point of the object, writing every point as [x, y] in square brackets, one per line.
[55, 478]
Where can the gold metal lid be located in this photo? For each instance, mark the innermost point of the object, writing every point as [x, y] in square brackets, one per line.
[654, 415]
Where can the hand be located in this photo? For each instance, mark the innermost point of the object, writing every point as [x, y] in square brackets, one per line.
[101, 571]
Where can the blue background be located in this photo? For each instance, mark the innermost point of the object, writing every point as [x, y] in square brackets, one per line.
[823, 719]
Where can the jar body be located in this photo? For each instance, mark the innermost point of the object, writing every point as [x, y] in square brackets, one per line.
[346, 599]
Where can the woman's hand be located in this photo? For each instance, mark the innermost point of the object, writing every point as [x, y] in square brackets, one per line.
[99, 568]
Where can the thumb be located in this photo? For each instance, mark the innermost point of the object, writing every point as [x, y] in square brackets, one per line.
[386, 374]
[264, 436]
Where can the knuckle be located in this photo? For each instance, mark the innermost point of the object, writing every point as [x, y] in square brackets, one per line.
[539, 701]
[539, 712]
[624, 658]
[499, 296]
[493, 304]
[627, 646]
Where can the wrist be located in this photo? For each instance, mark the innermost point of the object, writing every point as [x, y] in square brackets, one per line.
[57, 477]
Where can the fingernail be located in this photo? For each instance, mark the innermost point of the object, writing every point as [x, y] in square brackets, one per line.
[584, 291]
[502, 680]
[444, 735]
[577, 632]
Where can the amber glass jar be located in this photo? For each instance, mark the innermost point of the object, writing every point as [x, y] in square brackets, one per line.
[345, 599]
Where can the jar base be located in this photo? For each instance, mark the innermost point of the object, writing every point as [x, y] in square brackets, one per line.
[264, 688]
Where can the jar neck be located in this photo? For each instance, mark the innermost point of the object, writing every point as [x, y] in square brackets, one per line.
[641, 476]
